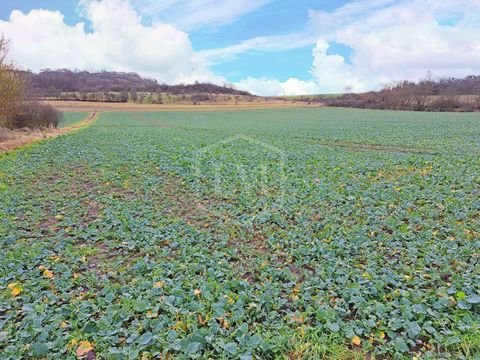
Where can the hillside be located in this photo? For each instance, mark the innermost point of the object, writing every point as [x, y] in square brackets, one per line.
[63, 83]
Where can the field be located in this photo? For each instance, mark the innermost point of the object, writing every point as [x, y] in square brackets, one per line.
[72, 118]
[13, 139]
[70, 107]
[255, 234]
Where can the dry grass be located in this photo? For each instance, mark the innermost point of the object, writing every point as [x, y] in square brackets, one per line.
[4, 134]
[101, 106]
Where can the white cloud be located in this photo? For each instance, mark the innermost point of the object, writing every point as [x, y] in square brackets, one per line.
[273, 87]
[191, 14]
[332, 73]
[260, 43]
[119, 41]
[397, 40]
[391, 40]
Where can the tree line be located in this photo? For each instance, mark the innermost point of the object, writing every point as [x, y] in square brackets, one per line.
[15, 110]
[446, 94]
[109, 86]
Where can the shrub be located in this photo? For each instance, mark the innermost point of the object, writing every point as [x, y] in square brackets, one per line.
[11, 85]
[200, 98]
[4, 134]
[35, 115]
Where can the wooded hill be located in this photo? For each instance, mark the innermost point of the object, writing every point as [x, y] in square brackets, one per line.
[59, 83]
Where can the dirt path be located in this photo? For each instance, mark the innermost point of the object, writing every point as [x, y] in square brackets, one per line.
[13, 139]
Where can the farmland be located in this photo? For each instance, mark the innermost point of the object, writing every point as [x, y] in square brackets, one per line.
[72, 118]
[254, 234]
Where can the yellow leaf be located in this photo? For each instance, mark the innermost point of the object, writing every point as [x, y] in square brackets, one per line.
[356, 341]
[159, 284]
[302, 331]
[84, 348]
[381, 335]
[146, 356]
[224, 323]
[298, 319]
[367, 276]
[41, 268]
[63, 325]
[151, 314]
[48, 274]
[197, 292]
[72, 344]
[201, 320]
[76, 275]
[15, 289]
[180, 325]
[59, 217]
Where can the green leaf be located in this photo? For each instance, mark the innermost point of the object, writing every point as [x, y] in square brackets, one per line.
[39, 350]
[396, 324]
[464, 305]
[145, 338]
[401, 345]
[333, 327]
[90, 328]
[140, 306]
[453, 340]
[474, 299]
[254, 341]
[193, 347]
[231, 348]
[413, 329]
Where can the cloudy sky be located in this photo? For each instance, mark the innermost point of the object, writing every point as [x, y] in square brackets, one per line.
[268, 47]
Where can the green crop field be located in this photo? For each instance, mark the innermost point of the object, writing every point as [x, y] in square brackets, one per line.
[271, 234]
[72, 118]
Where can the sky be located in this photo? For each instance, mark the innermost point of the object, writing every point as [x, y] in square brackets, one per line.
[267, 47]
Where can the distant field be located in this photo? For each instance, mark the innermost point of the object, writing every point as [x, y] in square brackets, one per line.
[262, 234]
[86, 106]
[310, 97]
[72, 118]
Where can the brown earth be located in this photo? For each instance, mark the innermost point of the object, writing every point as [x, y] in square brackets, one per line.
[104, 106]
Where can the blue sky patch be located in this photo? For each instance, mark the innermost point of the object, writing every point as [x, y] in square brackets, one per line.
[280, 65]
[341, 49]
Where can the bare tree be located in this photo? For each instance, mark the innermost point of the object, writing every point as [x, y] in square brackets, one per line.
[10, 84]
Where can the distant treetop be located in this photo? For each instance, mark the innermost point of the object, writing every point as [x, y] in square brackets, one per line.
[64, 80]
